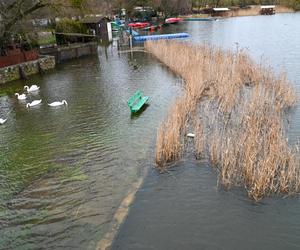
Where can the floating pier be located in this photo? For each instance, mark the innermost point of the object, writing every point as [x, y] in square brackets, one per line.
[159, 37]
[199, 19]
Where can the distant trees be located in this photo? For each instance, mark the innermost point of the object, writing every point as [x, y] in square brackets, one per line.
[174, 6]
[295, 4]
[169, 7]
[13, 12]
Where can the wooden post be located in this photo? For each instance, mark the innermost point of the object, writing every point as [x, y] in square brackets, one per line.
[130, 42]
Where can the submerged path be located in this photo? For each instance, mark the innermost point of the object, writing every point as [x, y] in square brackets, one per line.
[184, 209]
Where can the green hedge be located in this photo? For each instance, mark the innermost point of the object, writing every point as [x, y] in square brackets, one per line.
[70, 26]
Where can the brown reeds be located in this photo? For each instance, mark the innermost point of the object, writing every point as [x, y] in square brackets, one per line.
[237, 110]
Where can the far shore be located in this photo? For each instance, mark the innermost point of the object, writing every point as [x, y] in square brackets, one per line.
[253, 10]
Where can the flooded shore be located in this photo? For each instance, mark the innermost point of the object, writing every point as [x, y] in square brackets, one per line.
[64, 172]
[185, 207]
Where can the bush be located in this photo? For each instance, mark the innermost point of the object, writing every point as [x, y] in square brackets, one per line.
[69, 26]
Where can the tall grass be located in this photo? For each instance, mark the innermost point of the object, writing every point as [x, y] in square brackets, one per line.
[237, 110]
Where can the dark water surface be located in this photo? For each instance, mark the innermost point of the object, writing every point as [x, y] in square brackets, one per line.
[184, 208]
[65, 170]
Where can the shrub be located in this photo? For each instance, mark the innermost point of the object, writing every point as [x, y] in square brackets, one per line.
[69, 26]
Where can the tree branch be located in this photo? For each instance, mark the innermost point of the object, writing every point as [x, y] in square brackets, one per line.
[22, 14]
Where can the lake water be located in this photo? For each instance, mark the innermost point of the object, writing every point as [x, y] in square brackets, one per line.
[64, 171]
[272, 40]
[184, 208]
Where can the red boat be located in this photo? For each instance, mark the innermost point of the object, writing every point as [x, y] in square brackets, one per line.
[152, 28]
[139, 25]
[173, 20]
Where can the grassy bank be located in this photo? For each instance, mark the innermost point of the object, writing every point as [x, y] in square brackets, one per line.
[237, 110]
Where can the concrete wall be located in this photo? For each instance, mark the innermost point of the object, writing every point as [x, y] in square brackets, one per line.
[17, 71]
[72, 51]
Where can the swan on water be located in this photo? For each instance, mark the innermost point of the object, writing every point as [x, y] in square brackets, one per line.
[34, 103]
[32, 88]
[55, 104]
[21, 97]
[2, 121]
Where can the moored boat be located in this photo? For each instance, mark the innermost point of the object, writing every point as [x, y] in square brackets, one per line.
[139, 25]
[173, 20]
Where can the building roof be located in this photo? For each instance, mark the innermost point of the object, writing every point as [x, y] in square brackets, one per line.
[220, 9]
[92, 19]
[267, 6]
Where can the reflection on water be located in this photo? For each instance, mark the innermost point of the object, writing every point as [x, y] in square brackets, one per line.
[64, 170]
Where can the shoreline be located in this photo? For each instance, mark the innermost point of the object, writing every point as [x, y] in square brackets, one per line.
[253, 10]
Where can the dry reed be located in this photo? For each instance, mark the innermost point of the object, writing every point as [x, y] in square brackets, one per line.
[236, 108]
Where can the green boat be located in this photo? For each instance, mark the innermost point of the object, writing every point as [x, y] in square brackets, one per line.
[115, 26]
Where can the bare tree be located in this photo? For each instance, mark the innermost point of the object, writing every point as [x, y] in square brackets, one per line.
[13, 12]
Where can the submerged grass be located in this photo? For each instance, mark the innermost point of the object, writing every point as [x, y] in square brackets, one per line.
[237, 110]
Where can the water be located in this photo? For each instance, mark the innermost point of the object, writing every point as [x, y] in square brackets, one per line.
[184, 208]
[65, 170]
[271, 40]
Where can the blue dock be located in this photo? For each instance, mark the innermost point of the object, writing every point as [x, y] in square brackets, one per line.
[159, 37]
[199, 19]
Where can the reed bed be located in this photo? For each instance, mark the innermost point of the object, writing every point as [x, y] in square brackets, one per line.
[237, 111]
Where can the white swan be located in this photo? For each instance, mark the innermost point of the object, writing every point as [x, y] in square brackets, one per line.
[32, 88]
[34, 103]
[21, 97]
[55, 104]
[2, 121]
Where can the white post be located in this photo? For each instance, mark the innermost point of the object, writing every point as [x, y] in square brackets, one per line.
[109, 31]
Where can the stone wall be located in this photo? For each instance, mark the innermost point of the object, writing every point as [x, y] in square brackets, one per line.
[72, 51]
[18, 71]
[47, 61]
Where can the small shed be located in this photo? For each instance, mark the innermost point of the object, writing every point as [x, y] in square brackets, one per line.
[267, 9]
[220, 12]
[97, 24]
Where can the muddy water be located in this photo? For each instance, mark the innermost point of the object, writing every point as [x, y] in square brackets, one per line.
[184, 208]
[65, 170]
